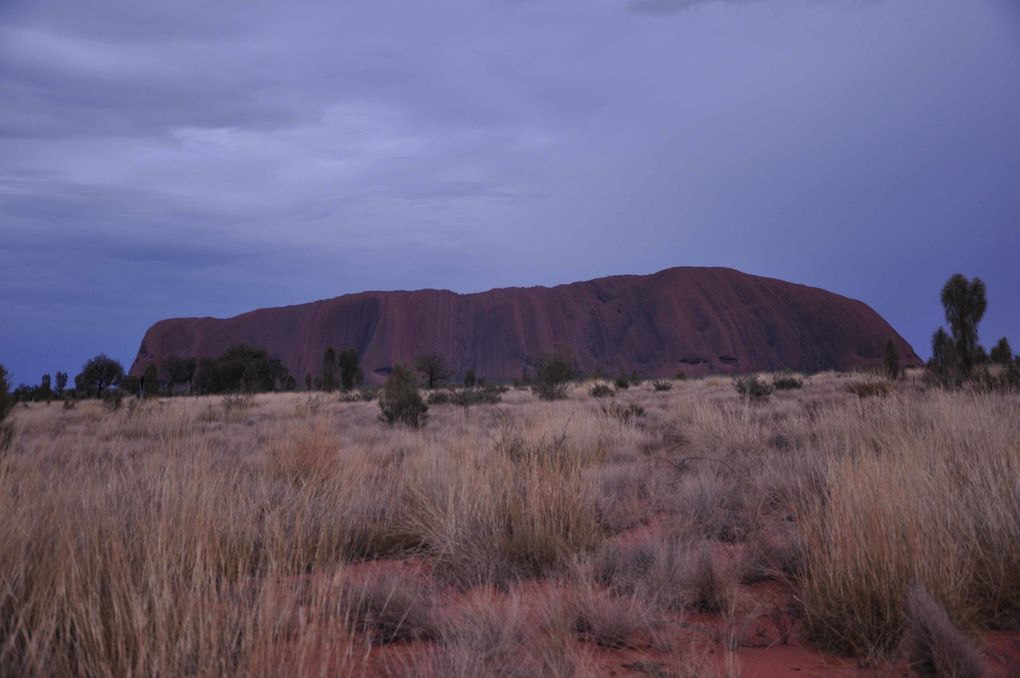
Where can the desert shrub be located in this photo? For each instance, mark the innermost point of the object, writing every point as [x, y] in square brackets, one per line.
[624, 412]
[786, 382]
[891, 361]
[601, 390]
[554, 371]
[70, 404]
[934, 646]
[621, 382]
[113, 398]
[475, 396]
[869, 389]
[400, 402]
[662, 385]
[469, 378]
[6, 405]
[392, 607]
[680, 375]
[753, 389]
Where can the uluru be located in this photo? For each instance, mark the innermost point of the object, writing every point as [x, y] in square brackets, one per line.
[696, 320]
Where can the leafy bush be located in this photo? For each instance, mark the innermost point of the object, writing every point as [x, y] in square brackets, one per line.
[891, 361]
[753, 388]
[601, 390]
[622, 382]
[787, 382]
[475, 396]
[554, 371]
[662, 385]
[400, 401]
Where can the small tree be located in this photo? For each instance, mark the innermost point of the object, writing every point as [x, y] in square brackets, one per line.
[150, 381]
[45, 388]
[329, 370]
[1002, 353]
[965, 303]
[100, 373]
[350, 369]
[469, 378]
[6, 405]
[61, 383]
[400, 401]
[180, 370]
[434, 368]
[308, 381]
[554, 371]
[891, 361]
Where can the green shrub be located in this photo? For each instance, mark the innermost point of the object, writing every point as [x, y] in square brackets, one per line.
[891, 361]
[662, 385]
[787, 382]
[555, 370]
[476, 396]
[753, 388]
[622, 382]
[400, 401]
[601, 390]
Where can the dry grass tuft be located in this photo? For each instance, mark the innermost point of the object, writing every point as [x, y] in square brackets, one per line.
[934, 646]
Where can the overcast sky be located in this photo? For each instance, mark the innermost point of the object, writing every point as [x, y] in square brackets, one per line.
[180, 158]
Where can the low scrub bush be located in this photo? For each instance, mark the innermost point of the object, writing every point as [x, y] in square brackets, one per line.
[753, 389]
[400, 402]
[622, 382]
[555, 370]
[113, 398]
[787, 382]
[662, 385]
[601, 390]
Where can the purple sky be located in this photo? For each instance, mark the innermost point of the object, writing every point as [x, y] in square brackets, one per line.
[180, 158]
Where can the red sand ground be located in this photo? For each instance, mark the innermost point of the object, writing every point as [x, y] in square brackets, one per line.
[760, 650]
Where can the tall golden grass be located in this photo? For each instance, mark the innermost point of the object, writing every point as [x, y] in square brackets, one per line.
[192, 538]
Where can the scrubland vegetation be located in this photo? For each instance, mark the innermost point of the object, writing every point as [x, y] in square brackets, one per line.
[648, 530]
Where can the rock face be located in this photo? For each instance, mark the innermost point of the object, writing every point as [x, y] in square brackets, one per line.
[699, 320]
